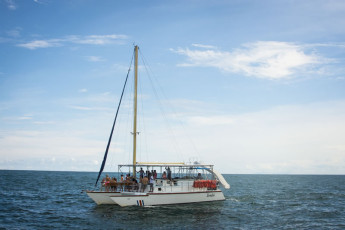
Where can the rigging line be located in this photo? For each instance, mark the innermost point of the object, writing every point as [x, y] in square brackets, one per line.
[176, 145]
[187, 134]
[173, 110]
[143, 123]
[123, 123]
[129, 123]
[129, 97]
[179, 121]
[112, 130]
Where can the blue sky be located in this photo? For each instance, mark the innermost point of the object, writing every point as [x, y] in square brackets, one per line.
[255, 86]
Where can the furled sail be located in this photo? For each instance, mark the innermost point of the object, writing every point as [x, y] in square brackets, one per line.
[112, 130]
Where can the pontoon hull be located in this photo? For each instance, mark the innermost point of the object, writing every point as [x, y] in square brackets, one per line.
[151, 199]
[102, 197]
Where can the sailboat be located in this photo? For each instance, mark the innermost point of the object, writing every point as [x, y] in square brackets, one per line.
[163, 183]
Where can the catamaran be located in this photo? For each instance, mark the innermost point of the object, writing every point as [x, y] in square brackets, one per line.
[162, 183]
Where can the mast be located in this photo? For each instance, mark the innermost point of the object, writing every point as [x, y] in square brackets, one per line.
[135, 110]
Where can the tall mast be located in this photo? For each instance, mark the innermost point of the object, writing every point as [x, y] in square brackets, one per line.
[135, 110]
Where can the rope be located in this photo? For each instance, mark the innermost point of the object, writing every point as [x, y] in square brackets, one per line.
[176, 145]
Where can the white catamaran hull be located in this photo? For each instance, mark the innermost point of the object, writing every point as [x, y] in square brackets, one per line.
[102, 197]
[151, 199]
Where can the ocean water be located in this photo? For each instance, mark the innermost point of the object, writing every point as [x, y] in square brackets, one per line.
[45, 200]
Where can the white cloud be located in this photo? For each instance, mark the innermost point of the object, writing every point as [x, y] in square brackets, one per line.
[20, 118]
[82, 90]
[33, 147]
[285, 139]
[43, 122]
[14, 33]
[82, 108]
[77, 107]
[96, 39]
[263, 59]
[11, 4]
[74, 39]
[41, 44]
[41, 1]
[204, 46]
[94, 58]
[211, 120]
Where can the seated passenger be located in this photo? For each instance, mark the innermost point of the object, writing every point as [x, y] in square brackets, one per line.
[106, 184]
[135, 184]
[103, 183]
[199, 177]
[164, 176]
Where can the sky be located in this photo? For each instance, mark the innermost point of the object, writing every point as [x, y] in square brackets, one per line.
[249, 86]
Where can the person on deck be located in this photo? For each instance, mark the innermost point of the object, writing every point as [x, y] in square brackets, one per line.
[151, 183]
[103, 183]
[169, 173]
[154, 174]
[113, 184]
[141, 173]
[164, 176]
[128, 183]
[145, 181]
[106, 183]
[199, 177]
[135, 184]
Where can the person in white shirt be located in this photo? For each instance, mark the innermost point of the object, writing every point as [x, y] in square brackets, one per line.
[151, 183]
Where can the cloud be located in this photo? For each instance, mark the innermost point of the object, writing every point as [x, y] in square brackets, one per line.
[211, 120]
[204, 46]
[11, 4]
[84, 108]
[49, 150]
[41, 1]
[82, 90]
[74, 39]
[20, 118]
[96, 39]
[263, 59]
[14, 33]
[41, 44]
[94, 59]
[44, 122]
[284, 139]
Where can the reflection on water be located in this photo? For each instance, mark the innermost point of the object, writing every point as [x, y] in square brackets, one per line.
[158, 216]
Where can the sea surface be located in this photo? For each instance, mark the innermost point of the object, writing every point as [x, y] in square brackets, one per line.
[47, 200]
